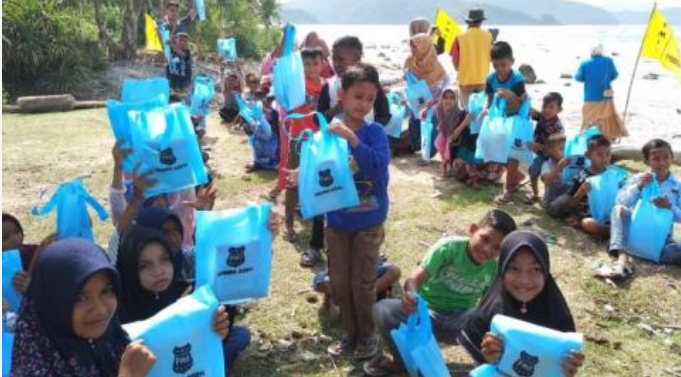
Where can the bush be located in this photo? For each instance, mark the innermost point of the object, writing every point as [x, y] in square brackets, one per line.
[47, 48]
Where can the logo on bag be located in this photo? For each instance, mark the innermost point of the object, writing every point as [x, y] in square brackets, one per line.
[524, 366]
[518, 143]
[325, 178]
[183, 359]
[167, 157]
[580, 161]
[237, 256]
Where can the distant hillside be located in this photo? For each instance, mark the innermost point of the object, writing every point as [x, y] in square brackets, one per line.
[633, 18]
[503, 12]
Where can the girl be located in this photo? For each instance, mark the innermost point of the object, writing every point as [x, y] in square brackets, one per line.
[524, 289]
[448, 117]
[149, 284]
[67, 324]
[465, 166]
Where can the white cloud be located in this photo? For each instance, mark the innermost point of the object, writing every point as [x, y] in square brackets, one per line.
[640, 5]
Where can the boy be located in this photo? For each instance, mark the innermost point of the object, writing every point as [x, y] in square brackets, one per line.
[179, 68]
[552, 173]
[658, 155]
[354, 235]
[451, 278]
[506, 83]
[172, 21]
[346, 52]
[548, 124]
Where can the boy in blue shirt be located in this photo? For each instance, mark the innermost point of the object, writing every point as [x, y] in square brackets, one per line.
[658, 155]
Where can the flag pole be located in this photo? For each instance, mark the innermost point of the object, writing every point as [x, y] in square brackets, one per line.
[638, 58]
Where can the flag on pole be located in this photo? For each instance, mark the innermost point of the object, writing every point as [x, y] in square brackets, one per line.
[660, 44]
[449, 29]
[153, 43]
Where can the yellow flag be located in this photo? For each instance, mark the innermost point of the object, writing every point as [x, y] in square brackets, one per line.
[151, 34]
[448, 29]
[660, 44]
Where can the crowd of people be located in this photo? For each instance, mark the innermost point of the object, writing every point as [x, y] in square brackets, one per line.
[77, 295]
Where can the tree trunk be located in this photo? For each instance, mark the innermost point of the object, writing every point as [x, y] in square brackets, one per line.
[129, 36]
[105, 41]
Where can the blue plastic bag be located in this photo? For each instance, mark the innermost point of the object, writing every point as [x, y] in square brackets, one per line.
[427, 128]
[182, 338]
[496, 134]
[145, 89]
[200, 9]
[575, 152]
[165, 38]
[247, 113]
[417, 345]
[7, 345]
[397, 114]
[529, 350]
[325, 182]
[476, 103]
[650, 225]
[289, 75]
[71, 201]
[417, 93]
[227, 49]
[164, 141]
[204, 92]
[11, 265]
[523, 135]
[234, 252]
[604, 188]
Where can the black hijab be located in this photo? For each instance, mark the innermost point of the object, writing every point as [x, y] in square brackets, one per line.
[549, 309]
[138, 303]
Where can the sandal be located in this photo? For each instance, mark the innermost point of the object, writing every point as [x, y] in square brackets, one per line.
[345, 347]
[503, 198]
[530, 199]
[310, 258]
[382, 366]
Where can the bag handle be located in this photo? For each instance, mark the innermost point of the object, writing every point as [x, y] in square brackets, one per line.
[524, 111]
[289, 39]
[652, 190]
[421, 319]
[51, 204]
[99, 209]
[307, 134]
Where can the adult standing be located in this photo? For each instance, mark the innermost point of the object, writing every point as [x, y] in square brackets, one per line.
[597, 73]
[471, 56]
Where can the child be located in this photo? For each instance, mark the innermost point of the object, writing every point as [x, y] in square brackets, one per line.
[231, 88]
[347, 51]
[179, 69]
[173, 23]
[354, 236]
[253, 86]
[451, 278]
[507, 84]
[263, 139]
[447, 116]
[658, 155]
[523, 289]
[552, 174]
[548, 124]
[465, 166]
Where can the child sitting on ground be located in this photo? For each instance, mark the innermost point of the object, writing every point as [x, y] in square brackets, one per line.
[231, 88]
[179, 69]
[548, 124]
[263, 139]
[465, 166]
[451, 278]
[658, 155]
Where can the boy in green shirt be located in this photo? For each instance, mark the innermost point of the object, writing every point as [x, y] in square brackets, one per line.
[451, 279]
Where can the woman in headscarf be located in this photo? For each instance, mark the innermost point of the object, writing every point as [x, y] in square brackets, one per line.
[523, 289]
[313, 40]
[448, 116]
[150, 284]
[423, 64]
[67, 324]
[597, 74]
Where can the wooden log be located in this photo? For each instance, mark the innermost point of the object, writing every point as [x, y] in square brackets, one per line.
[47, 104]
[82, 105]
[11, 109]
[622, 153]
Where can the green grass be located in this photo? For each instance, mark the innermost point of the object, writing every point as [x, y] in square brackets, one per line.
[41, 151]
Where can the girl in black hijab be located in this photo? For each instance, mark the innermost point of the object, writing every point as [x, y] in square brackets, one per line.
[523, 289]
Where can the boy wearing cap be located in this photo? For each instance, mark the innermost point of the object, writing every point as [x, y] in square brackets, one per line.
[471, 56]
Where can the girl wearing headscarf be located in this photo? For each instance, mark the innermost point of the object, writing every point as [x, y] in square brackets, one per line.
[313, 40]
[67, 324]
[423, 63]
[597, 74]
[448, 116]
[150, 284]
[523, 289]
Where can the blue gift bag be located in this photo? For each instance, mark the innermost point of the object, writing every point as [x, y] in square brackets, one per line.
[164, 141]
[575, 152]
[650, 225]
[417, 93]
[227, 49]
[204, 92]
[427, 145]
[200, 9]
[181, 337]
[530, 350]
[145, 89]
[496, 134]
[604, 188]
[417, 345]
[325, 182]
[247, 113]
[397, 114]
[7, 345]
[289, 75]
[71, 201]
[476, 103]
[523, 135]
[165, 38]
[234, 252]
[11, 265]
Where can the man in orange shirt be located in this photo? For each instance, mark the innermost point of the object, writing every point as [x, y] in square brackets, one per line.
[471, 56]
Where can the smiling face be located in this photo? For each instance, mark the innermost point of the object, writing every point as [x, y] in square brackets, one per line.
[484, 244]
[358, 100]
[155, 268]
[659, 160]
[94, 307]
[524, 278]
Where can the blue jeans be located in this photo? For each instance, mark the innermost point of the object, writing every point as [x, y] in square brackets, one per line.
[619, 229]
[535, 167]
[239, 338]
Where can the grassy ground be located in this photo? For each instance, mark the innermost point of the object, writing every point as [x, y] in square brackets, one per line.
[291, 331]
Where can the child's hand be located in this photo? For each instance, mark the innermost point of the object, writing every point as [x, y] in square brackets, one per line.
[273, 224]
[584, 189]
[492, 347]
[344, 132]
[537, 148]
[205, 199]
[408, 302]
[21, 281]
[137, 360]
[120, 154]
[142, 182]
[5, 306]
[291, 178]
[646, 179]
[221, 322]
[662, 202]
[188, 291]
[572, 363]
[563, 163]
